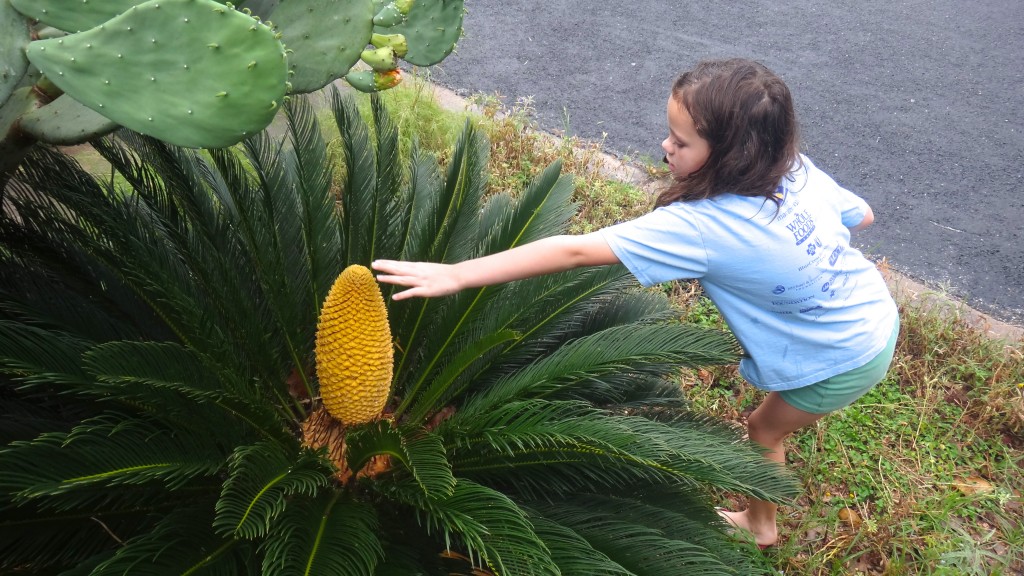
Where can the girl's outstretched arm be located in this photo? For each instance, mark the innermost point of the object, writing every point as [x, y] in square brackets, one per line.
[545, 256]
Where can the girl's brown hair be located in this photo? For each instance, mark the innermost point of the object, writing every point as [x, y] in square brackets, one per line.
[745, 112]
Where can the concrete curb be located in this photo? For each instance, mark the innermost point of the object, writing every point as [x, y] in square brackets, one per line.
[907, 291]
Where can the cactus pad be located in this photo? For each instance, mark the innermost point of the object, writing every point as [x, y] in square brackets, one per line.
[66, 122]
[73, 16]
[325, 38]
[14, 37]
[432, 28]
[191, 72]
[78, 15]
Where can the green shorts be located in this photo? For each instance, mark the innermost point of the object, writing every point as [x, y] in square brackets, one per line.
[843, 389]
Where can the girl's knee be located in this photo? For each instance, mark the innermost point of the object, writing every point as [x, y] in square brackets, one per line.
[761, 430]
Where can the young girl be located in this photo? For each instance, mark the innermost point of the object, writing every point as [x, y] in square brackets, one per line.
[765, 232]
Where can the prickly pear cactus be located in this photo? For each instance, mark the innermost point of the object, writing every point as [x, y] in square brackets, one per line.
[325, 42]
[190, 72]
[432, 28]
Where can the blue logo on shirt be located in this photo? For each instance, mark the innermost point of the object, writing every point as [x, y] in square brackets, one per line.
[802, 227]
[835, 255]
[779, 289]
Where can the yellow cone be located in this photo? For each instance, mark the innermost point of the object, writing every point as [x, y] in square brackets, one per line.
[354, 356]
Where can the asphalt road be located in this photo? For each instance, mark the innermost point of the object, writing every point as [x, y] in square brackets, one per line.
[918, 106]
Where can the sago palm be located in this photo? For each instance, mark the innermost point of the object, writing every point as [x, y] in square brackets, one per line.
[162, 414]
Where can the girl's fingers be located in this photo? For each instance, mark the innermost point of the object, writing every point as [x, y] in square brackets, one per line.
[403, 295]
[391, 279]
[423, 279]
[387, 266]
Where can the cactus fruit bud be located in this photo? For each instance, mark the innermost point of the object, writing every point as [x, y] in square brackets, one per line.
[354, 354]
[395, 41]
[389, 16]
[380, 59]
[373, 81]
[403, 6]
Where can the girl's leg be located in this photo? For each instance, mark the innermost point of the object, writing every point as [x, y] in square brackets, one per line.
[769, 425]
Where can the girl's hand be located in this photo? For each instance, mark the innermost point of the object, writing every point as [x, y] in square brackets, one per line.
[425, 279]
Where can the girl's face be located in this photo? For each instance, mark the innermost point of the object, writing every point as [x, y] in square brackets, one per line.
[685, 150]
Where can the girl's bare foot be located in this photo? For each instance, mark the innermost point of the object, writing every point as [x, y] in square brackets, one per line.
[765, 534]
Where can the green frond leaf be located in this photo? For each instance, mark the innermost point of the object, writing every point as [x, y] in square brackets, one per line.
[109, 450]
[387, 211]
[358, 197]
[423, 219]
[611, 357]
[491, 526]
[49, 277]
[173, 381]
[330, 534]
[458, 204]
[641, 550]
[313, 175]
[421, 452]
[675, 513]
[39, 541]
[578, 448]
[158, 364]
[543, 209]
[583, 449]
[465, 183]
[552, 310]
[182, 542]
[572, 553]
[260, 478]
[440, 391]
[33, 355]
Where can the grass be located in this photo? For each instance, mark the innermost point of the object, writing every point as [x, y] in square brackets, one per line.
[921, 476]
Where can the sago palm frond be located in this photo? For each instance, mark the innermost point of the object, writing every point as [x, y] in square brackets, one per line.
[180, 542]
[487, 523]
[330, 534]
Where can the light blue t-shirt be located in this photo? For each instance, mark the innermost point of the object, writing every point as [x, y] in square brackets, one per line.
[802, 302]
